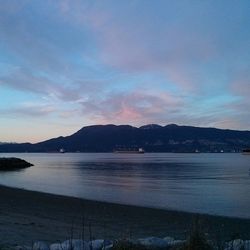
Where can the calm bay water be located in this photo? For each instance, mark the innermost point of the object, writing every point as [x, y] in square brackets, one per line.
[206, 183]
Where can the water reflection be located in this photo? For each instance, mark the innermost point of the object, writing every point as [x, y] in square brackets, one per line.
[210, 183]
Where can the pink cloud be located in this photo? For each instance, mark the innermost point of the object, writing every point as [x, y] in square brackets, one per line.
[137, 107]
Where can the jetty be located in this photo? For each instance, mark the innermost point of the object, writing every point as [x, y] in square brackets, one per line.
[12, 163]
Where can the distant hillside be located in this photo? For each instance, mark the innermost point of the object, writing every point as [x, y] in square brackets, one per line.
[153, 138]
[6, 142]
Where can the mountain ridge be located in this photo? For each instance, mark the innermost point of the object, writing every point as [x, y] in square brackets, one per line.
[151, 137]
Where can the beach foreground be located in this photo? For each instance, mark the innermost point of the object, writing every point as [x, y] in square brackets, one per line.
[28, 216]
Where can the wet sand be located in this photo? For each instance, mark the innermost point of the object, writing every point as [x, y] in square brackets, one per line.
[28, 216]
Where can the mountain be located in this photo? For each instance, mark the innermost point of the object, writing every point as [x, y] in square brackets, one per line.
[151, 126]
[152, 137]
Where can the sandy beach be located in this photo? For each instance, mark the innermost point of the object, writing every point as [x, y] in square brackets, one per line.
[28, 216]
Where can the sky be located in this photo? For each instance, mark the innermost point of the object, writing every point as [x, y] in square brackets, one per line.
[65, 64]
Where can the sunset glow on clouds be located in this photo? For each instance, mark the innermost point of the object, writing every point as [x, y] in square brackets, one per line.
[70, 63]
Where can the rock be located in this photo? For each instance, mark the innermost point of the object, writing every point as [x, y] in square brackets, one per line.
[153, 242]
[235, 245]
[12, 163]
[238, 244]
[168, 239]
[247, 245]
[100, 244]
[40, 245]
[108, 247]
[172, 242]
[96, 244]
[175, 243]
[75, 244]
[55, 246]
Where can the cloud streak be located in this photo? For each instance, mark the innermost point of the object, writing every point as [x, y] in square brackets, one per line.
[24, 80]
[133, 62]
[28, 110]
[137, 107]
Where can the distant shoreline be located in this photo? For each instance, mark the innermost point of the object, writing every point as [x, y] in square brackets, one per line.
[27, 216]
[112, 152]
[151, 137]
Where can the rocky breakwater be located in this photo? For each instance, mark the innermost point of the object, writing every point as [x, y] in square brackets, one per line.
[12, 163]
[149, 243]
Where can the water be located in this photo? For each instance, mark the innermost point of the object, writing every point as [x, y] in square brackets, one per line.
[205, 183]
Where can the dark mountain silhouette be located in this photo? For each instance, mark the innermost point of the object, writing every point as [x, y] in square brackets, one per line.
[153, 138]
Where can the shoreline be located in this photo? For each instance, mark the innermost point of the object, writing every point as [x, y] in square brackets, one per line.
[28, 216]
[128, 205]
